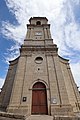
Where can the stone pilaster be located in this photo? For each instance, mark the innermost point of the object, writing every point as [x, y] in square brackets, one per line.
[60, 81]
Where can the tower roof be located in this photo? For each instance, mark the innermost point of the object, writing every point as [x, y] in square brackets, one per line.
[36, 18]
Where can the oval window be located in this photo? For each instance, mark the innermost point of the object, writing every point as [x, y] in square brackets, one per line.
[39, 60]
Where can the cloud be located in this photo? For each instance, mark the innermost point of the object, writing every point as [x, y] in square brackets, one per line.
[65, 28]
[75, 68]
[12, 53]
[23, 10]
[1, 82]
[12, 32]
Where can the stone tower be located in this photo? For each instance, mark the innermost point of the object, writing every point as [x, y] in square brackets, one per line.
[39, 81]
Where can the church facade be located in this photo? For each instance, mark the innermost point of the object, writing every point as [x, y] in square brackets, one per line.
[39, 81]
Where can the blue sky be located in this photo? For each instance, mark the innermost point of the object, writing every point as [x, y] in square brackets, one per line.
[64, 17]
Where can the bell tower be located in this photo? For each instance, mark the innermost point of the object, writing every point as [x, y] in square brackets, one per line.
[38, 32]
[41, 82]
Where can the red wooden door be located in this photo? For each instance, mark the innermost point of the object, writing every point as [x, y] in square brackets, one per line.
[39, 99]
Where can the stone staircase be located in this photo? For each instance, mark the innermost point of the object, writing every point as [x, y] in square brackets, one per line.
[39, 117]
[47, 117]
[10, 116]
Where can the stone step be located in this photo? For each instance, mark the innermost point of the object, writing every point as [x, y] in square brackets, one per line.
[47, 117]
[39, 117]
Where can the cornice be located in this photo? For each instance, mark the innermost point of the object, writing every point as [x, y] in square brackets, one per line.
[33, 25]
[39, 48]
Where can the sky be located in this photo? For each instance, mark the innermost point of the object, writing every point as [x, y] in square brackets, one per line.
[64, 17]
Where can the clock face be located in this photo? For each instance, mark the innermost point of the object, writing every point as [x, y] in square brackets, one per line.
[38, 33]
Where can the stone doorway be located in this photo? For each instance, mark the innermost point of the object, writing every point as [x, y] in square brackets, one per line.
[39, 99]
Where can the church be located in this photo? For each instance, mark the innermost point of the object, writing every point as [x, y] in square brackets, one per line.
[39, 83]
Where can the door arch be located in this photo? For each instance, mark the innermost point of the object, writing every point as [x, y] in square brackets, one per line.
[39, 99]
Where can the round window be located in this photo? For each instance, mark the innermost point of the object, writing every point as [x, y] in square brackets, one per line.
[39, 60]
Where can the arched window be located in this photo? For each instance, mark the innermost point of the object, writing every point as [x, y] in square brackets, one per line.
[38, 23]
[39, 99]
